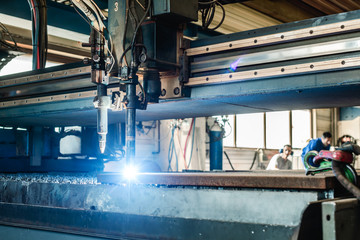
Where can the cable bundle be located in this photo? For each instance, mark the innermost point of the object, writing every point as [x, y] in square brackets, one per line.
[39, 32]
[95, 18]
[207, 10]
[3, 41]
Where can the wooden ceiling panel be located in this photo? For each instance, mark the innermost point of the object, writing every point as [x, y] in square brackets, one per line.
[240, 18]
[283, 10]
[252, 14]
[325, 6]
[347, 5]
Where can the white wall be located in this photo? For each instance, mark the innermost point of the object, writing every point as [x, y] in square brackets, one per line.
[181, 132]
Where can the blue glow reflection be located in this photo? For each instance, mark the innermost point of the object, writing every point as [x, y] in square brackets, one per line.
[234, 65]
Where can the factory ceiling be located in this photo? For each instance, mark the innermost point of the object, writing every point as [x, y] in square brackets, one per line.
[247, 15]
[254, 14]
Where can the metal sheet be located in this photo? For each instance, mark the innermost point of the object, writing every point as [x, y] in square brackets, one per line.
[247, 179]
[153, 211]
[111, 225]
[15, 233]
[136, 210]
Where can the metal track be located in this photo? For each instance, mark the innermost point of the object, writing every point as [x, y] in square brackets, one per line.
[310, 32]
[283, 70]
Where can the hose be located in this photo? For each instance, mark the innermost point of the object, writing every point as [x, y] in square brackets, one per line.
[337, 168]
[253, 162]
[232, 167]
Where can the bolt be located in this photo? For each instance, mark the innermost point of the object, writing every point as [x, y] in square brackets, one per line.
[176, 91]
[163, 92]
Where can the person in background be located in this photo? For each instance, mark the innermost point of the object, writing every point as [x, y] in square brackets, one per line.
[281, 160]
[345, 139]
[317, 144]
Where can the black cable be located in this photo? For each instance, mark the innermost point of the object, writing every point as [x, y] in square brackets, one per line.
[36, 35]
[33, 33]
[125, 29]
[207, 3]
[253, 162]
[127, 49]
[43, 41]
[222, 19]
[232, 167]
[137, 28]
[337, 168]
[133, 15]
[208, 13]
[10, 35]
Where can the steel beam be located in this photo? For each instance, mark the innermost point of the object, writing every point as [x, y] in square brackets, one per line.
[212, 206]
[148, 211]
[341, 219]
[238, 179]
[326, 75]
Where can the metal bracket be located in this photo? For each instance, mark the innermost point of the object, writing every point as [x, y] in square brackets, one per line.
[341, 219]
[117, 104]
[184, 69]
[171, 88]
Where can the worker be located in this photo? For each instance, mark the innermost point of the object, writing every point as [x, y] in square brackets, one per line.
[345, 139]
[318, 144]
[281, 160]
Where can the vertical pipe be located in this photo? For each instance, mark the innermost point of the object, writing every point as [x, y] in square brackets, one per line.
[130, 122]
[290, 128]
[102, 115]
[36, 145]
[264, 122]
[216, 147]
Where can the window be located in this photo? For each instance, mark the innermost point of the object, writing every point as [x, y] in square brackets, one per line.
[229, 138]
[21, 63]
[271, 130]
[250, 130]
[277, 129]
[301, 128]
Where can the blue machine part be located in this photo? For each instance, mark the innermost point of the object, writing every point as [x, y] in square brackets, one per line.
[216, 147]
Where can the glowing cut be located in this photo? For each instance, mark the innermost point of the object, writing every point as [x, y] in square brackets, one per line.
[130, 172]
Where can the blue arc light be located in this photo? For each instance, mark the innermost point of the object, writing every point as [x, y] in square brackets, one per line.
[234, 65]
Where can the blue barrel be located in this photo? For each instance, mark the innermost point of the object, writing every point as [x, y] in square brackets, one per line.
[216, 147]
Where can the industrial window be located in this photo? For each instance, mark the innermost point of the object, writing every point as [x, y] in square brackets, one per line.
[268, 130]
[229, 139]
[250, 130]
[277, 129]
[21, 64]
[301, 128]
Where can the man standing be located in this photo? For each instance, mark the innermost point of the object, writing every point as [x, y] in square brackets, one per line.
[280, 160]
[317, 144]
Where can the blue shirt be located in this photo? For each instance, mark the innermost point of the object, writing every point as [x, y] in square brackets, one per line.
[315, 144]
